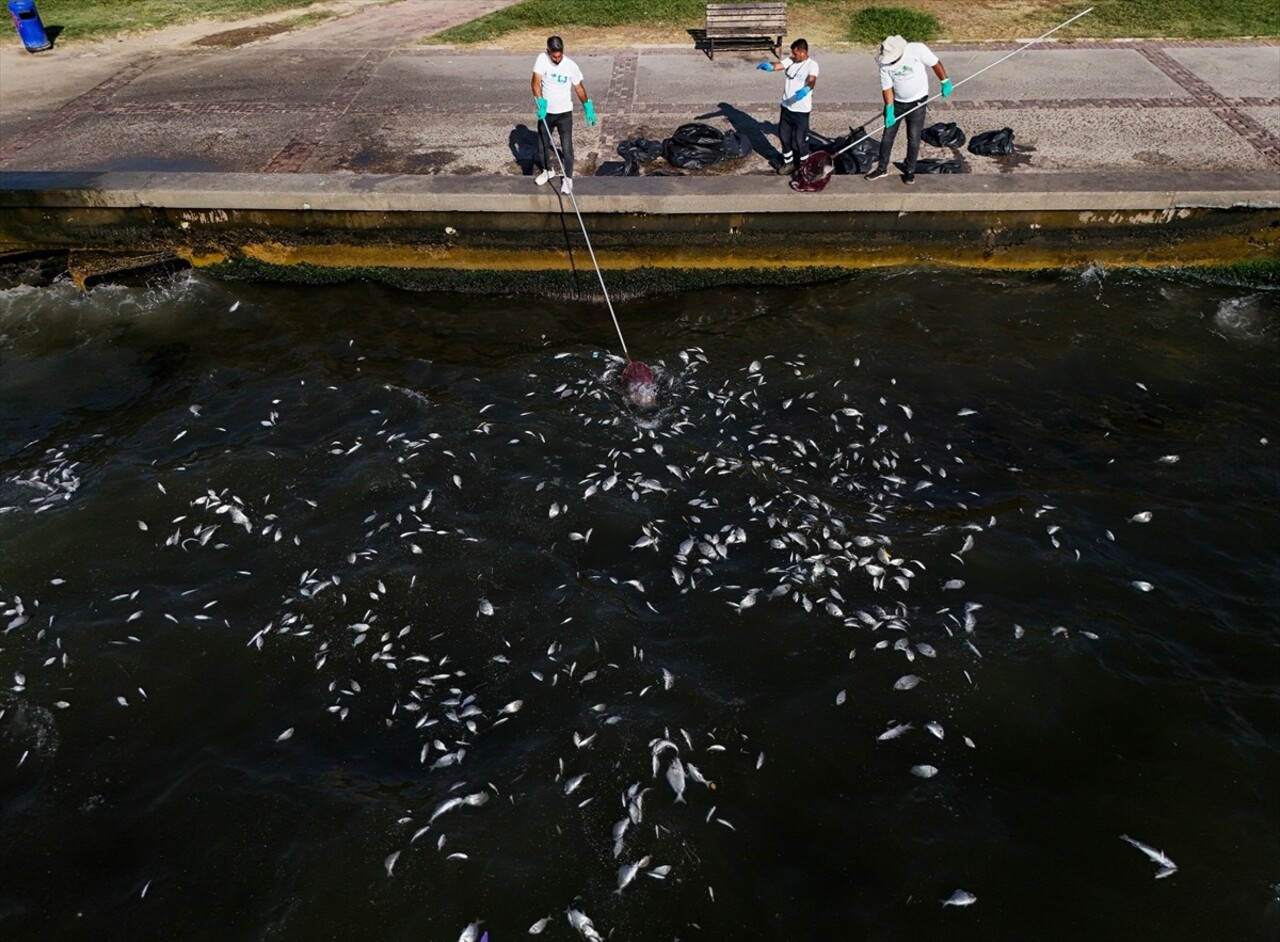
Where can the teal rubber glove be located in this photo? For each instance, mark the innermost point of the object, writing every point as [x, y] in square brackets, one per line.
[590, 110]
[946, 88]
[542, 108]
[803, 93]
[888, 116]
[767, 67]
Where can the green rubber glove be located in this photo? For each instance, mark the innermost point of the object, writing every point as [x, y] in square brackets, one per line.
[542, 108]
[946, 88]
[590, 110]
[888, 115]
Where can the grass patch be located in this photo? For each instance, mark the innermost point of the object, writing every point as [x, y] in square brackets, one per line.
[102, 19]
[875, 23]
[555, 15]
[867, 22]
[1189, 19]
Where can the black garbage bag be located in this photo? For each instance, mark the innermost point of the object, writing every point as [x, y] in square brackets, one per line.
[992, 143]
[698, 146]
[932, 165]
[859, 158]
[641, 150]
[942, 134]
[637, 152]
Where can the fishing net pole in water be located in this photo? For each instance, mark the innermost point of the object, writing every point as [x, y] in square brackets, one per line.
[813, 172]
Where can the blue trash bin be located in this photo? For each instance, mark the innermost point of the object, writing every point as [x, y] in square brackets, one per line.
[27, 20]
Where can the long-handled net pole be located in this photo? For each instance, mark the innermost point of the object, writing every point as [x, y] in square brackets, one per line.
[955, 85]
[551, 146]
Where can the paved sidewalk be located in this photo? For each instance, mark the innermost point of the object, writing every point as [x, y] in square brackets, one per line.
[360, 96]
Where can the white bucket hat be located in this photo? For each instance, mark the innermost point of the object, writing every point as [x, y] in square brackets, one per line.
[891, 50]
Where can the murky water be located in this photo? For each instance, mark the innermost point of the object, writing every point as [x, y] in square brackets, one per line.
[285, 570]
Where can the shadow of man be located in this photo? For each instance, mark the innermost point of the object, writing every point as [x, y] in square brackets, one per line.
[523, 142]
[750, 129]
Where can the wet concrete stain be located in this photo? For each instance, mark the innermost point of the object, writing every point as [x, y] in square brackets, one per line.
[374, 159]
[1021, 157]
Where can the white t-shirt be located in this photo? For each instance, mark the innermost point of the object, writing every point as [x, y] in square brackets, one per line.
[797, 74]
[909, 76]
[557, 82]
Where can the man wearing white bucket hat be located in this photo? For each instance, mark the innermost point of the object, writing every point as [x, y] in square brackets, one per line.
[904, 83]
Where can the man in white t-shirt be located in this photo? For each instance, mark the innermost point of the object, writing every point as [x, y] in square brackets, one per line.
[797, 103]
[904, 83]
[556, 78]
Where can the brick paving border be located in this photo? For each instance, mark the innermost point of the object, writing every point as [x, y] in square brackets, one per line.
[1262, 140]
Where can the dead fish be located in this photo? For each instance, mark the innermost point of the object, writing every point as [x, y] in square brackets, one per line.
[539, 926]
[924, 771]
[390, 862]
[906, 682]
[1142, 586]
[960, 898]
[675, 778]
[287, 734]
[627, 873]
[471, 933]
[582, 922]
[486, 607]
[893, 732]
[572, 785]
[935, 728]
[512, 707]
[1167, 866]
[1143, 517]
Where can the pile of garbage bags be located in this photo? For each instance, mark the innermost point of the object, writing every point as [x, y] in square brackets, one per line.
[693, 146]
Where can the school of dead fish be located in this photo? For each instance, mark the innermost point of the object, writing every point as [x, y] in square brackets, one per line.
[839, 566]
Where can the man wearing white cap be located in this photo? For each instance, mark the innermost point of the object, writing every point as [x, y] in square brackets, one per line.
[904, 84]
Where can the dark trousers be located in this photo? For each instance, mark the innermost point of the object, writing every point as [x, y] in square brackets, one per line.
[793, 130]
[915, 128]
[562, 123]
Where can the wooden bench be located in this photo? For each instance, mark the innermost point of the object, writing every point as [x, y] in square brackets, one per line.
[752, 24]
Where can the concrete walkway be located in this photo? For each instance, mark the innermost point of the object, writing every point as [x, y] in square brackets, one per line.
[359, 96]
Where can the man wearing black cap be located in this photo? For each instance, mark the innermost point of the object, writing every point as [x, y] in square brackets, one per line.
[554, 74]
[904, 83]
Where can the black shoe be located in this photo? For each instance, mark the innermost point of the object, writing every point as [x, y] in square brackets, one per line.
[908, 178]
[877, 173]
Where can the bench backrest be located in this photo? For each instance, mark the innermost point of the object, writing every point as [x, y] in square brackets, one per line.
[746, 19]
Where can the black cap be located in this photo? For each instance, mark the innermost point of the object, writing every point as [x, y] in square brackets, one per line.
[555, 44]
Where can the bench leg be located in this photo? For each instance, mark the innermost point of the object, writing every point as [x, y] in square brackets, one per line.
[712, 43]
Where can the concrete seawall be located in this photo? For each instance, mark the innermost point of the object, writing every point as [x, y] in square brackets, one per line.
[432, 224]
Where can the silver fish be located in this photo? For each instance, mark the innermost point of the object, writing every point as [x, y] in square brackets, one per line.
[893, 732]
[1168, 867]
[924, 771]
[572, 785]
[582, 922]
[960, 898]
[1144, 517]
[906, 682]
[627, 873]
[675, 778]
